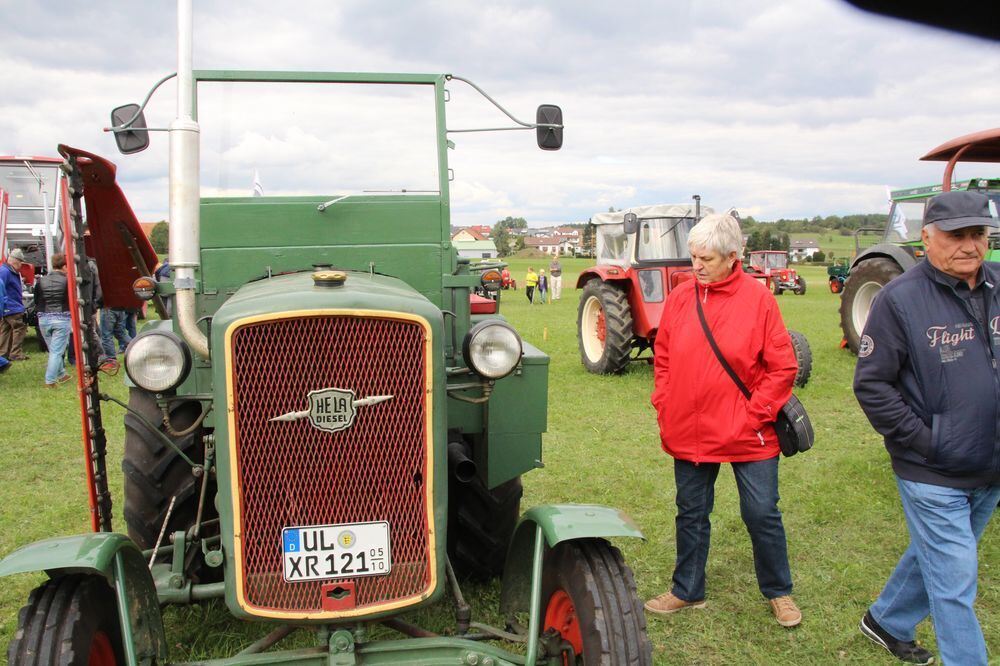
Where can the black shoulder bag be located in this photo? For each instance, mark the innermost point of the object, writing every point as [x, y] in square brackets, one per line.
[794, 430]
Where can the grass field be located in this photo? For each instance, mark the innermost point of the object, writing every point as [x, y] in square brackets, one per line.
[842, 512]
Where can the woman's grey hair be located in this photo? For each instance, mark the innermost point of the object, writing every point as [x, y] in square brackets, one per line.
[718, 232]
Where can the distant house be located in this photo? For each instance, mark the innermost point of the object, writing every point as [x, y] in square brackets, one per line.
[147, 228]
[475, 249]
[468, 234]
[802, 249]
[553, 245]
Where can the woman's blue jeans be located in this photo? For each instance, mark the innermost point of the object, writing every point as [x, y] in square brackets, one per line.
[757, 483]
[55, 331]
[945, 526]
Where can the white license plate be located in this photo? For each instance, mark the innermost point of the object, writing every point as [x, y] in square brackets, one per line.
[324, 552]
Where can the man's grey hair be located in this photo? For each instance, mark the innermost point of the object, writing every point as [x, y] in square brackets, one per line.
[718, 232]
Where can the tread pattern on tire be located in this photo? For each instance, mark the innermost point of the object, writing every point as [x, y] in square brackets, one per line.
[480, 526]
[58, 618]
[617, 326]
[614, 629]
[155, 472]
[803, 357]
[878, 269]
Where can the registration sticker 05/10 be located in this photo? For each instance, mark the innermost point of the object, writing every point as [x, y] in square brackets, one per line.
[325, 552]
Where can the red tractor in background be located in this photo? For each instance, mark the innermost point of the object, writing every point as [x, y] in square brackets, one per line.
[642, 255]
[773, 264]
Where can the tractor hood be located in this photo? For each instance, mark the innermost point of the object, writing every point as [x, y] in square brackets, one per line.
[299, 292]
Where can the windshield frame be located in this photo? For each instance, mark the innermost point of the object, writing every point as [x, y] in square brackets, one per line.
[671, 225]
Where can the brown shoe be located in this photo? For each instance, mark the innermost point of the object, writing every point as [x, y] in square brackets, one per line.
[64, 379]
[667, 603]
[785, 611]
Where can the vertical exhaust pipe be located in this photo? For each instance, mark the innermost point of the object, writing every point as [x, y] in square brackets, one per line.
[185, 192]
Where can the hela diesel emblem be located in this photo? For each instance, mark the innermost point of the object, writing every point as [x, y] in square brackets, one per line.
[332, 409]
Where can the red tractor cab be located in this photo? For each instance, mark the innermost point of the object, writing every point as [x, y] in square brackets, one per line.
[506, 281]
[642, 256]
[773, 265]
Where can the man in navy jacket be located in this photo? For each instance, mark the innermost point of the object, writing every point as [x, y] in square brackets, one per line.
[12, 324]
[927, 378]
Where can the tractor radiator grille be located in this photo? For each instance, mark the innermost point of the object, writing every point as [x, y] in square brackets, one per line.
[289, 473]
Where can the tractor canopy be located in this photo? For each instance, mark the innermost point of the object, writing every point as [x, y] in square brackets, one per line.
[765, 261]
[662, 234]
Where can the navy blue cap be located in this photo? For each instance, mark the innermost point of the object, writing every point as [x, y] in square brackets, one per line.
[957, 210]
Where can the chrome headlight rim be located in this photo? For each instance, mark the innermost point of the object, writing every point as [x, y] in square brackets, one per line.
[477, 330]
[144, 339]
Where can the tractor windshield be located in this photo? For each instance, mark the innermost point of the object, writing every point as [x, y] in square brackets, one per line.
[906, 219]
[314, 138]
[31, 187]
[769, 259]
[663, 238]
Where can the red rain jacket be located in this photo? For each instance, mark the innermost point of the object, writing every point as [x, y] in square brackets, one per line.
[703, 416]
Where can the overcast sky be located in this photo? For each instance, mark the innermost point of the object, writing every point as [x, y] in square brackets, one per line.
[780, 109]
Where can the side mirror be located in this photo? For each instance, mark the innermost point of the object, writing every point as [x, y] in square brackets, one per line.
[549, 138]
[631, 223]
[135, 139]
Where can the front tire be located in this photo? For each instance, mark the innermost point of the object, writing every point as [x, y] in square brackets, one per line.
[604, 328]
[155, 473]
[800, 285]
[589, 597]
[68, 621]
[863, 284]
[803, 358]
[481, 524]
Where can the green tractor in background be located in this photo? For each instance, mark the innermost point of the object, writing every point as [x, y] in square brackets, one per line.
[323, 433]
[900, 247]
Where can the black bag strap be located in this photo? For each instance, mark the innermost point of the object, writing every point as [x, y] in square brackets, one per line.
[715, 347]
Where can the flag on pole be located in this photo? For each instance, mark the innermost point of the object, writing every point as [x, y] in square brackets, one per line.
[898, 219]
[258, 189]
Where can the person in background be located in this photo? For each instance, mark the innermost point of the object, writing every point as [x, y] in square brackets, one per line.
[555, 276]
[543, 286]
[12, 324]
[52, 304]
[530, 282]
[162, 274]
[113, 327]
[705, 420]
[927, 379]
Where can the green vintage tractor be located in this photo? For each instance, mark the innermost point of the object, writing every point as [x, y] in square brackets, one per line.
[325, 432]
[900, 246]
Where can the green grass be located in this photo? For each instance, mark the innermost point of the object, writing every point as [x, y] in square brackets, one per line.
[842, 513]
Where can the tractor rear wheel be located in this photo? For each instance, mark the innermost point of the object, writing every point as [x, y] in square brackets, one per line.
[803, 357]
[68, 621]
[589, 597]
[863, 285]
[155, 473]
[481, 524]
[604, 328]
[800, 285]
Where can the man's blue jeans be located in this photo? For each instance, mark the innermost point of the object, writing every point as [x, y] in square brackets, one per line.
[757, 483]
[945, 525]
[55, 331]
[113, 326]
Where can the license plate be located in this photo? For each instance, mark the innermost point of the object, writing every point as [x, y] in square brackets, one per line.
[324, 552]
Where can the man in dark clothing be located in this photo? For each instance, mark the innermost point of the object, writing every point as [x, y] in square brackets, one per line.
[52, 301]
[12, 324]
[928, 380]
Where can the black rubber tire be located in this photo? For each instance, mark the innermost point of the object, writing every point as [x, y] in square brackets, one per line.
[800, 285]
[480, 526]
[154, 473]
[61, 621]
[602, 589]
[775, 289]
[617, 346]
[865, 279]
[803, 356]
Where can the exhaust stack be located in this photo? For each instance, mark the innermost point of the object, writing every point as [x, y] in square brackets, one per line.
[185, 192]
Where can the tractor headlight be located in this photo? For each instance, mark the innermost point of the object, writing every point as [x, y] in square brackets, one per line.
[157, 361]
[492, 349]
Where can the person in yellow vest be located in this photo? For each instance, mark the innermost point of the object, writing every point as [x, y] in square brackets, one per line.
[530, 281]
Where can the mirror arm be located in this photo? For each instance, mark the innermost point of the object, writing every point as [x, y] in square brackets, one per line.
[523, 125]
[142, 107]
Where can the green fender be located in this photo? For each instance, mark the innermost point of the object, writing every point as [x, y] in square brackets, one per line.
[116, 558]
[558, 522]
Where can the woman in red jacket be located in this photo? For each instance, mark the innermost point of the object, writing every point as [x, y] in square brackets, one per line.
[705, 420]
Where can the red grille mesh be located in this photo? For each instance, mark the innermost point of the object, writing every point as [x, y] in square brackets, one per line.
[292, 474]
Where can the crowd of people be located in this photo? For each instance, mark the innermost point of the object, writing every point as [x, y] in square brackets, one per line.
[51, 302]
